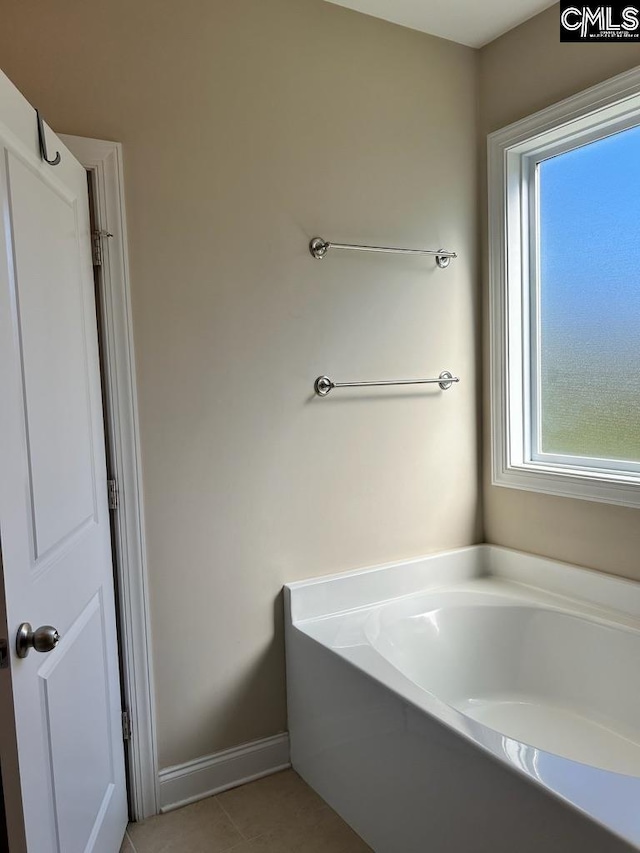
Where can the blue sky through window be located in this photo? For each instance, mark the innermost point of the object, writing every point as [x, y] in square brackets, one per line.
[589, 202]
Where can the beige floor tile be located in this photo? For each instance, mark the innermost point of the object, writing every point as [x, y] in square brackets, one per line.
[282, 800]
[127, 847]
[319, 832]
[201, 828]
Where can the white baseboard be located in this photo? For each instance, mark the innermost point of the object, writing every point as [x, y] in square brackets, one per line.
[204, 777]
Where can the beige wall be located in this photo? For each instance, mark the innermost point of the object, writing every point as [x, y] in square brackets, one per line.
[522, 72]
[248, 127]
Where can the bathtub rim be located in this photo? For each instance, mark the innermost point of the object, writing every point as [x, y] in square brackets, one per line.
[340, 592]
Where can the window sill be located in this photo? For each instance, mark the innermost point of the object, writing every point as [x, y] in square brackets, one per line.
[611, 487]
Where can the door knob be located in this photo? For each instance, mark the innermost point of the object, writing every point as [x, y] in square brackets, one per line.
[43, 639]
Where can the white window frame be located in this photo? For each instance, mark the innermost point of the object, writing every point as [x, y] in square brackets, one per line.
[513, 153]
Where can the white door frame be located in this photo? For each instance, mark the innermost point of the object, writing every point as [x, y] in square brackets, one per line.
[104, 161]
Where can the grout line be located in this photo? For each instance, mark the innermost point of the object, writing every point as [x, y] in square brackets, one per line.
[236, 846]
[233, 823]
[131, 844]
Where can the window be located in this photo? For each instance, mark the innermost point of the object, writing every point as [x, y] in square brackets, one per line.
[564, 190]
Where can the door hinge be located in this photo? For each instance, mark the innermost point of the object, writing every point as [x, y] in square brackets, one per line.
[112, 494]
[96, 245]
[126, 726]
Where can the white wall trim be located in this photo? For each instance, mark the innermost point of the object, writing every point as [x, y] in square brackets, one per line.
[104, 161]
[610, 105]
[204, 777]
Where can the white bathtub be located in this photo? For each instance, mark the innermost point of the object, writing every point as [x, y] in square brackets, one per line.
[478, 700]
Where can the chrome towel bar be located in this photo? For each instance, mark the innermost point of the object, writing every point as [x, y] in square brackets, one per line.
[319, 248]
[323, 385]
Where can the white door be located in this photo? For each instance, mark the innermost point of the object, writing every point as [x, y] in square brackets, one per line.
[54, 517]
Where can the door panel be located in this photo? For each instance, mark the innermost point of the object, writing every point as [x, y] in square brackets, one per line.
[55, 381]
[79, 737]
[54, 518]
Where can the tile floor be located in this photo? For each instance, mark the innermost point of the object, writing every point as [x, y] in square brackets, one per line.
[278, 814]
